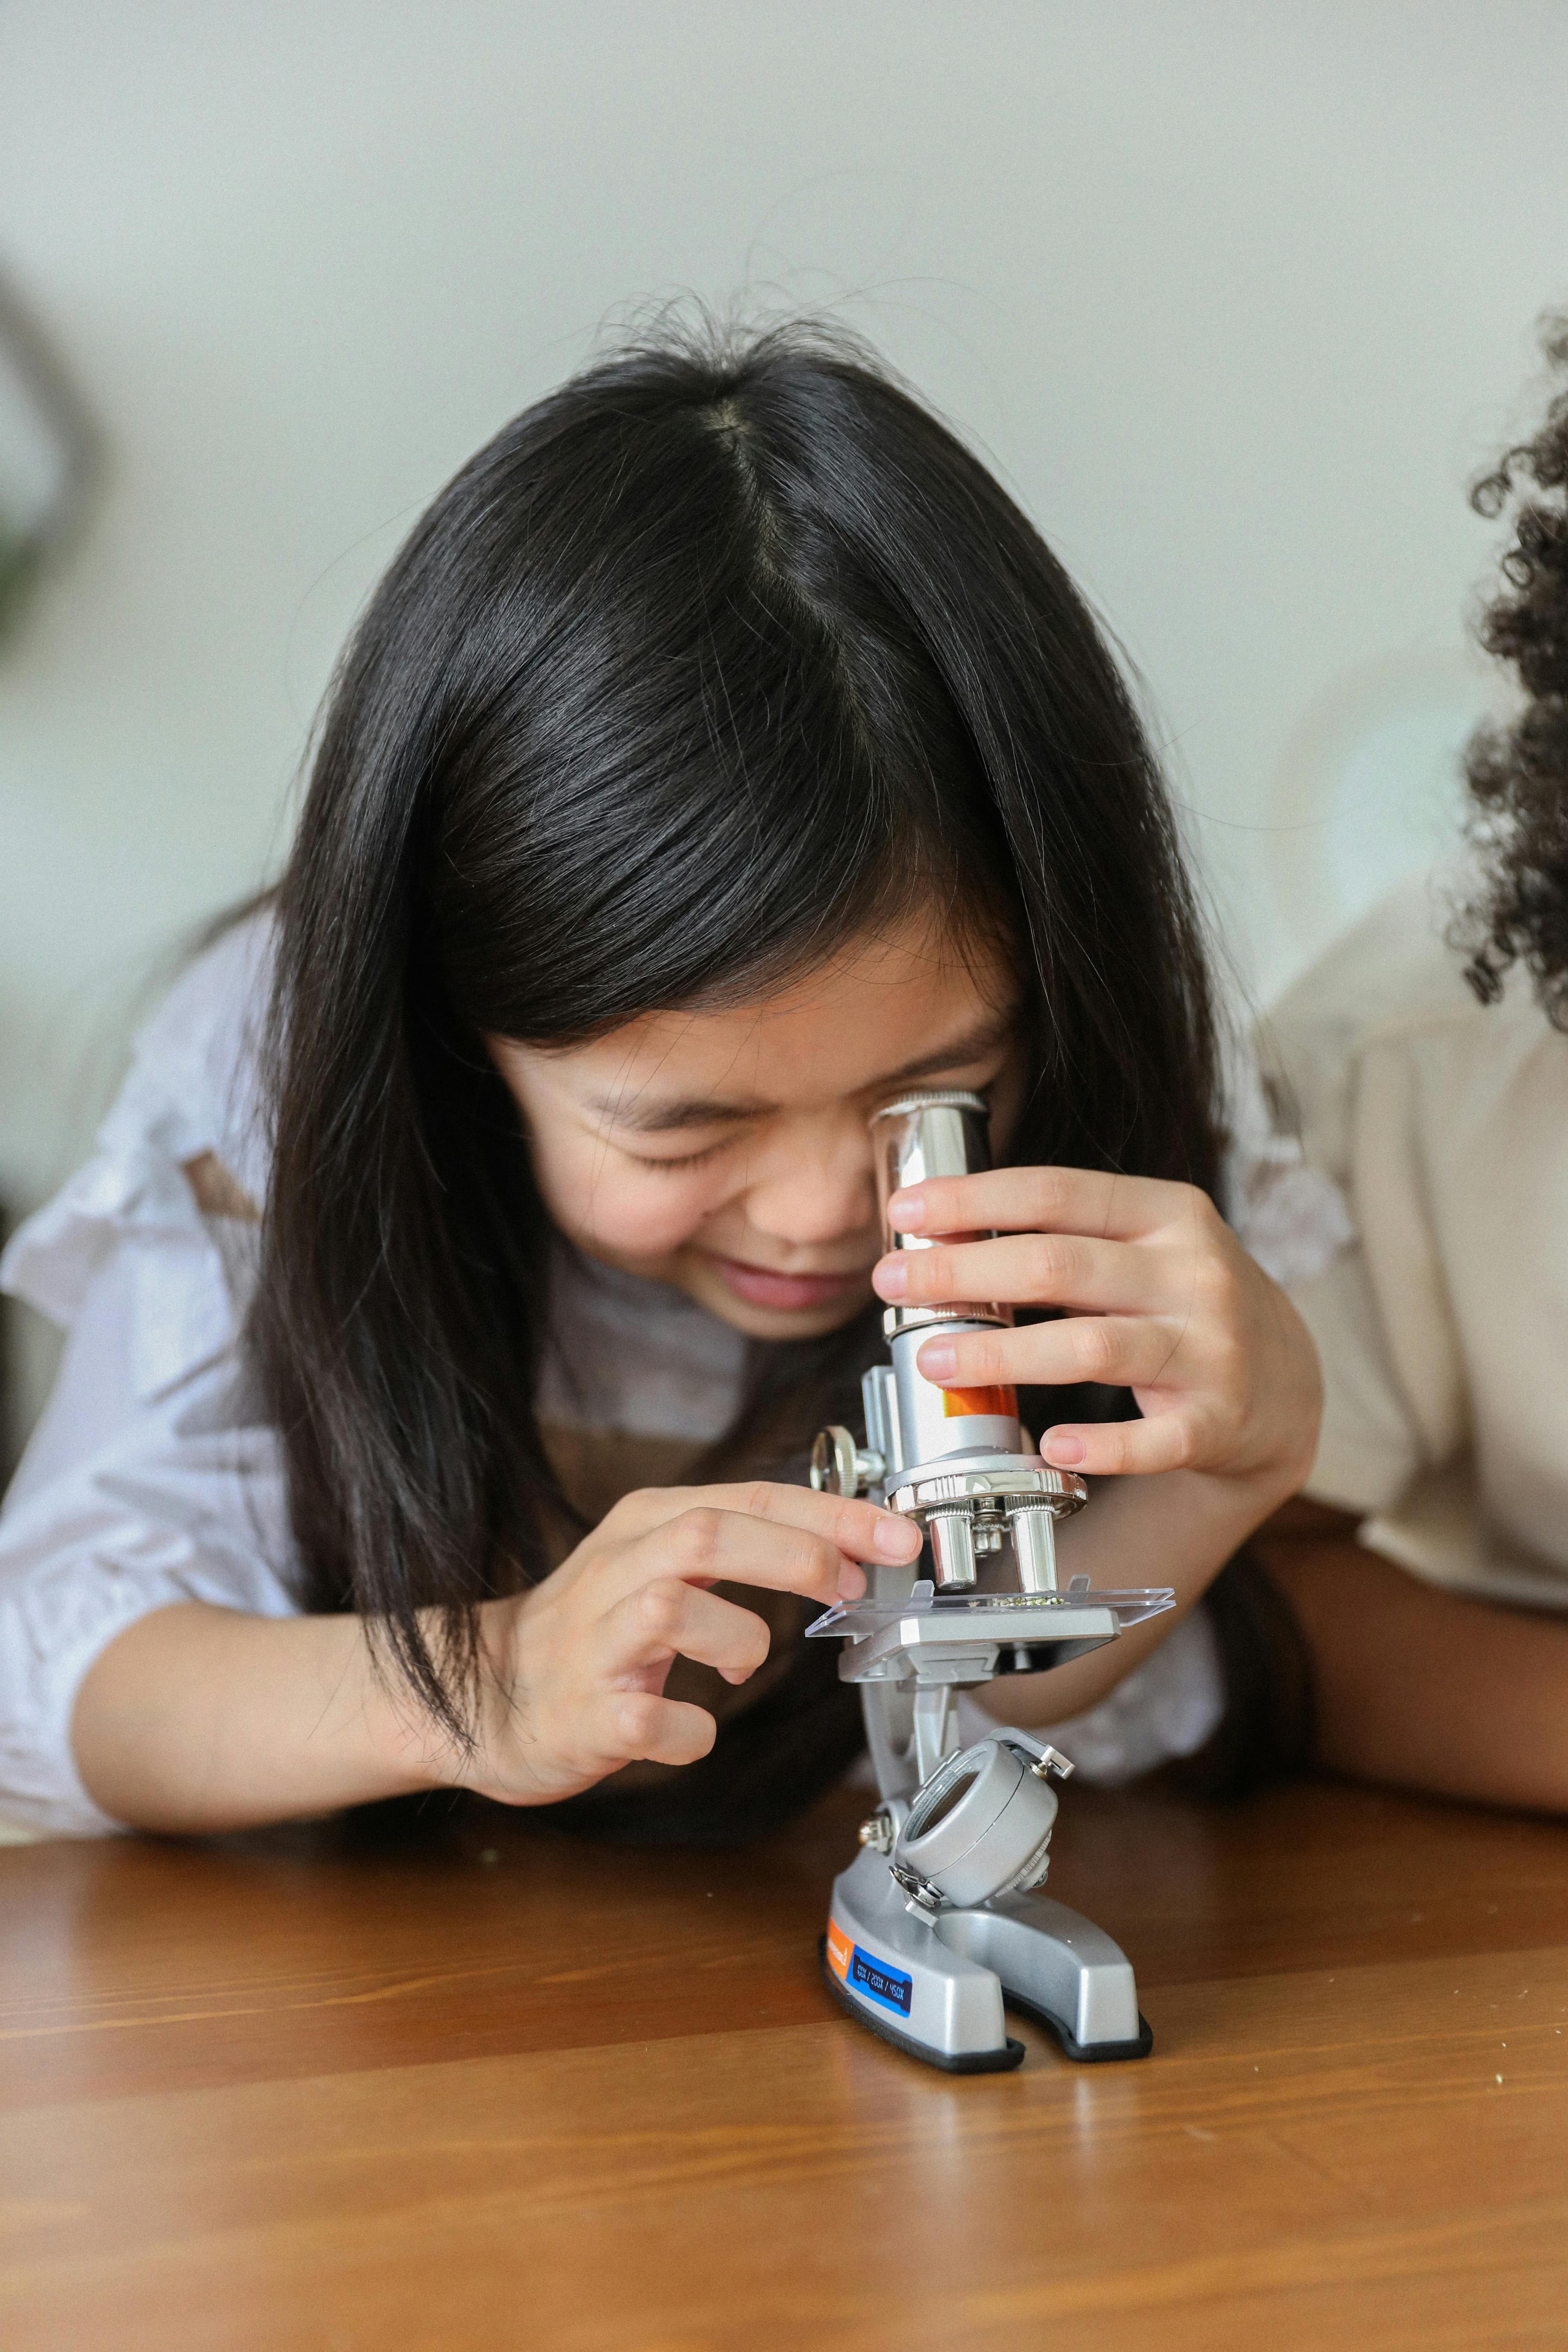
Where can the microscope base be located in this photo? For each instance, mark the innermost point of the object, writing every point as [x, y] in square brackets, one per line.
[937, 1989]
[961, 2061]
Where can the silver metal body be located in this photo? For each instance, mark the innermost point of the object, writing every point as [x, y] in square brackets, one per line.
[939, 1989]
[937, 1923]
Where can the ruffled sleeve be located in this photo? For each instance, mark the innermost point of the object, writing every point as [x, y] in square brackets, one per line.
[179, 1312]
[153, 1476]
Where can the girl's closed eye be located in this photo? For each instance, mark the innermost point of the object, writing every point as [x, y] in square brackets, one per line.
[686, 1160]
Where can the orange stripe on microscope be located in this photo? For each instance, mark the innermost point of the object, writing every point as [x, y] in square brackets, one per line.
[957, 1402]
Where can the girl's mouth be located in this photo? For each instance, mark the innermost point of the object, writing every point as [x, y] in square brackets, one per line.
[786, 1294]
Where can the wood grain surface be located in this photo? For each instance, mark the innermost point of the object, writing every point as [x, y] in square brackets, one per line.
[471, 2084]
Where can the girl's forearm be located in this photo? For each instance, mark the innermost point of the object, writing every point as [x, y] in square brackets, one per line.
[1178, 1528]
[1421, 1688]
[199, 1720]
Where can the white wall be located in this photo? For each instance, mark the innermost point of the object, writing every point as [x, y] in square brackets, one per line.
[1235, 297]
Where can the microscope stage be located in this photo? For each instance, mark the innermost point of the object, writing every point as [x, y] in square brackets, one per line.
[970, 1636]
[996, 1616]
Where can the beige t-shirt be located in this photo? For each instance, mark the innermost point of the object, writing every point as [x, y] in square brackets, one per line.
[1442, 1329]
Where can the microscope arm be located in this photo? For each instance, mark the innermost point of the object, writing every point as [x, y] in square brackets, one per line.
[909, 1727]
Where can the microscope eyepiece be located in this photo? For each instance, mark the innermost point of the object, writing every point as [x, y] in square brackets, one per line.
[935, 1131]
[930, 1132]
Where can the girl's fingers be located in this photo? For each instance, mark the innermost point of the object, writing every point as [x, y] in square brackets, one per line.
[1118, 1352]
[857, 1529]
[669, 1618]
[1043, 1270]
[707, 1546]
[638, 1726]
[1046, 1200]
[1118, 1449]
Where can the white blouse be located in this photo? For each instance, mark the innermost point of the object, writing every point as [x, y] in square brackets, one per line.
[152, 1477]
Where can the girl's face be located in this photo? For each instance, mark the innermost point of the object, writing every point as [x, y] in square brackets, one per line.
[727, 1154]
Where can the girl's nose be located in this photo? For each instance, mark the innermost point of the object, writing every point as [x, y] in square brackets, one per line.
[815, 1187]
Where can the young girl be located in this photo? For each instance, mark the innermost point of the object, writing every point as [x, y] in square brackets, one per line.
[485, 1216]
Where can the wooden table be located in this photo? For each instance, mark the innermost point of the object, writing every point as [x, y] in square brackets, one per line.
[494, 2088]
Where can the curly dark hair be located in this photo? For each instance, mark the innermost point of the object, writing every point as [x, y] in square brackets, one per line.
[1518, 769]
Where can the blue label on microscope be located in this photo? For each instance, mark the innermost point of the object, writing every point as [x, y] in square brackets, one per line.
[868, 1974]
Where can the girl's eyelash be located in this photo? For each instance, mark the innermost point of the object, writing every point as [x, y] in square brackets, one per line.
[688, 1159]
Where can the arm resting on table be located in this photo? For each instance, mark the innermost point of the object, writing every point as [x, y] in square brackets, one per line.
[1417, 1687]
[199, 1720]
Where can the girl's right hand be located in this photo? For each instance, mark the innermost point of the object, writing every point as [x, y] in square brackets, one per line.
[576, 1665]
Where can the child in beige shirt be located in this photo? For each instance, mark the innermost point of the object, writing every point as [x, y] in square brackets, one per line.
[1428, 1064]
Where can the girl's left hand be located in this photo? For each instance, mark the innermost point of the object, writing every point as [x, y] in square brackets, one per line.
[1156, 1296]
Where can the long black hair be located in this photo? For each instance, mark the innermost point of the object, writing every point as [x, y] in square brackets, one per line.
[720, 652]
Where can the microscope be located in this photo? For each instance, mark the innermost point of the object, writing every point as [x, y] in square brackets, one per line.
[939, 1920]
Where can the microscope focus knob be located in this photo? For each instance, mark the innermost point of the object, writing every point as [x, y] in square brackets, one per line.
[839, 1466]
